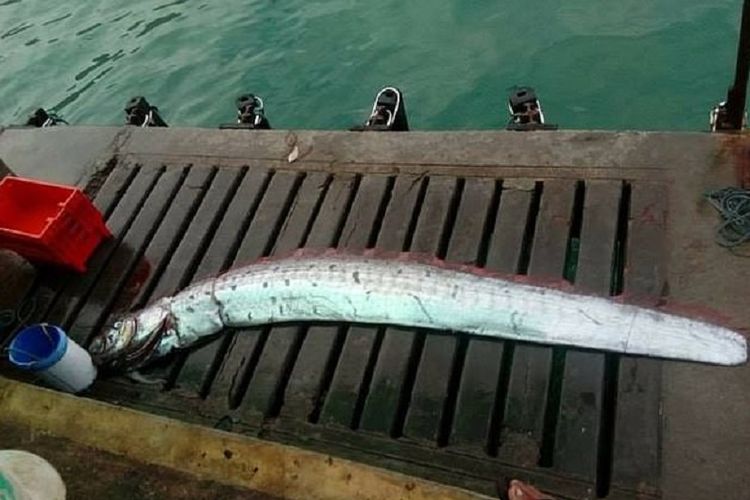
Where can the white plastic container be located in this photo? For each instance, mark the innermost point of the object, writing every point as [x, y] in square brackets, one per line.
[46, 350]
[25, 476]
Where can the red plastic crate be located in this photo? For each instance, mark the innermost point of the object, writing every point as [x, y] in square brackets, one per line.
[49, 222]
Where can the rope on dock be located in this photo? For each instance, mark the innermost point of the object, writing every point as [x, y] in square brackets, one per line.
[16, 319]
[734, 206]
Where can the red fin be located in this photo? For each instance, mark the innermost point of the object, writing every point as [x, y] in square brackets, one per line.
[414, 257]
[656, 303]
[700, 312]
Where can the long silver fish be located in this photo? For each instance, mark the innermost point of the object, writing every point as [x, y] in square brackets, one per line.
[405, 291]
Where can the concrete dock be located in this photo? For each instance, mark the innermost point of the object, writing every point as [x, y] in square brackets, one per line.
[613, 213]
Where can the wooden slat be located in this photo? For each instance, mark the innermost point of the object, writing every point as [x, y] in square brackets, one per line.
[381, 410]
[195, 373]
[114, 187]
[476, 396]
[196, 237]
[440, 355]
[241, 348]
[277, 350]
[333, 212]
[578, 426]
[242, 211]
[125, 257]
[362, 218]
[159, 251]
[523, 420]
[346, 386]
[77, 288]
[308, 375]
[276, 356]
[302, 214]
[269, 218]
[212, 261]
[636, 455]
[504, 252]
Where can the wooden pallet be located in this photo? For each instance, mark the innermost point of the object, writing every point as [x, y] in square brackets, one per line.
[455, 408]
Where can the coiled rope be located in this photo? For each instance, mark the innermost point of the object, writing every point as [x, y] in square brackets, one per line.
[734, 206]
[16, 318]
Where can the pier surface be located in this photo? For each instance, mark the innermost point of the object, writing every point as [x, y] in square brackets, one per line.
[614, 213]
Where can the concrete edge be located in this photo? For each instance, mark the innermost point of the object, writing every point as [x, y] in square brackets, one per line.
[269, 467]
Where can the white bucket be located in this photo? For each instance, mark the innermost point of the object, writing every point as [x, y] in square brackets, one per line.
[25, 476]
[46, 350]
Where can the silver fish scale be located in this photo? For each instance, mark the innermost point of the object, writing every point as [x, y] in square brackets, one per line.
[410, 293]
[296, 288]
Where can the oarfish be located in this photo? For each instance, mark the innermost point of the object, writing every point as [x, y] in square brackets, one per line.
[410, 292]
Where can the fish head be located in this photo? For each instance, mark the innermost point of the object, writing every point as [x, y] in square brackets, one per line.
[132, 340]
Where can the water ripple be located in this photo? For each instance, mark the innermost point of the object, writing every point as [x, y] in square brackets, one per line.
[72, 97]
[88, 30]
[14, 31]
[57, 19]
[134, 25]
[121, 17]
[98, 62]
[170, 4]
[158, 22]
[595, 65]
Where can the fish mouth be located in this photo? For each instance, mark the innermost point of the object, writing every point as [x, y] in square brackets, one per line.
[141, 351]
[107, 346]
[135, 354]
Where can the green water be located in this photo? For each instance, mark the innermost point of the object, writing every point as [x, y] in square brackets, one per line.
[626, 64]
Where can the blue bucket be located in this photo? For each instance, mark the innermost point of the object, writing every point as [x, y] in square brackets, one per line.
[38, 347]
[47, 351]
